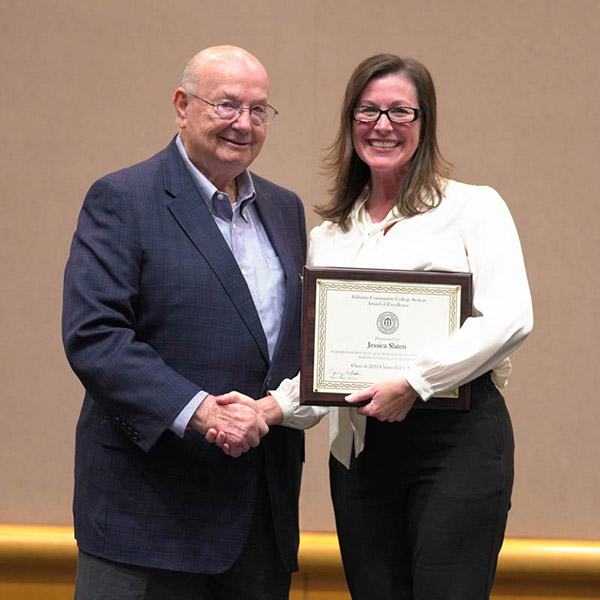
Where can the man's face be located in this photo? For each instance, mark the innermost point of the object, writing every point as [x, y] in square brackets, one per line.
[222, 149]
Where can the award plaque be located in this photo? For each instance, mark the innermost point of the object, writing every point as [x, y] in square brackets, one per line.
[363, 326]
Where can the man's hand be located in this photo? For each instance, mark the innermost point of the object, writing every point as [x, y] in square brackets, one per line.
[267, 408]
[390, 400]
[239, 425]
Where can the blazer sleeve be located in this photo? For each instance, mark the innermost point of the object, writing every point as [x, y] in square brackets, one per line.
[123, 374]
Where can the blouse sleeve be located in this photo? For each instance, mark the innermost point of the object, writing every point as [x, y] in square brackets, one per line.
[296, 415]
[502, 309]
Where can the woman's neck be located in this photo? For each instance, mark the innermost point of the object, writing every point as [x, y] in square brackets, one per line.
[383, 191]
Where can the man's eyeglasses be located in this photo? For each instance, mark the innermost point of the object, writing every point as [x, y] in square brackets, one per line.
[228, 110]
[396, 114]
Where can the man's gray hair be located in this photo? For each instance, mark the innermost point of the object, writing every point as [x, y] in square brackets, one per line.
[189, 75]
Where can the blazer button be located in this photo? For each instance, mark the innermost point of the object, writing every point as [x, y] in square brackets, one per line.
[135, 436]
[268, 381]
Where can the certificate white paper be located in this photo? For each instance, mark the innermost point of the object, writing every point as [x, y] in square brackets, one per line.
[367, 331]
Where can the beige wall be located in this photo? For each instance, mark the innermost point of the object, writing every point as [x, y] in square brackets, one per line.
[87, 89]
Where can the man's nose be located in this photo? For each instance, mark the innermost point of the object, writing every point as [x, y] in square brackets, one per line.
[243, 121]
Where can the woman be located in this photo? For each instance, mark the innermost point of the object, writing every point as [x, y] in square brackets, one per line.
[421, 498]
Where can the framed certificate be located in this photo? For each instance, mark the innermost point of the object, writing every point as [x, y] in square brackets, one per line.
[363, 326]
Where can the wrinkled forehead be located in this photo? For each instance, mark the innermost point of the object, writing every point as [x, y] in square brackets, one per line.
[235, 77]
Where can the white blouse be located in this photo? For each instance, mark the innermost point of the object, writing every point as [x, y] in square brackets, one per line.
[470, 231]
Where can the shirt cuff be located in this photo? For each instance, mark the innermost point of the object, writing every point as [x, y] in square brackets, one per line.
[286, 404]
[296, 415]
[418, 384]
[181, 421]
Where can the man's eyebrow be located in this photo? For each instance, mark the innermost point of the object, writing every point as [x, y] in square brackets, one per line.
[263, 101]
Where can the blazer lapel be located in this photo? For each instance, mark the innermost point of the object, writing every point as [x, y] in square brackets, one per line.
[193, 216]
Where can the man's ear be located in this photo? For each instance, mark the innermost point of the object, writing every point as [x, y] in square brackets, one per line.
[180, 102]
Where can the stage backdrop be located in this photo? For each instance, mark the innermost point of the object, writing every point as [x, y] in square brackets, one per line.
[87, 89]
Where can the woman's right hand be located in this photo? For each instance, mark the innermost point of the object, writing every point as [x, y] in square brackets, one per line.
[266, 407]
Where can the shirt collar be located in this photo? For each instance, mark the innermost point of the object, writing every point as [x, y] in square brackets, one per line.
[218, 202]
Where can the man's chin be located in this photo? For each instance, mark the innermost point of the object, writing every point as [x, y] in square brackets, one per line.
[238, 156]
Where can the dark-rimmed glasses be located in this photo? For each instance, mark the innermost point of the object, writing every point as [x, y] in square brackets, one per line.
[396, 114]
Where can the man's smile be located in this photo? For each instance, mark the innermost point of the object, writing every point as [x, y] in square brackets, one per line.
[234, 142]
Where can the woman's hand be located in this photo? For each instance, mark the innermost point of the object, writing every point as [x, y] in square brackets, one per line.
[390, 400]
[266, 407]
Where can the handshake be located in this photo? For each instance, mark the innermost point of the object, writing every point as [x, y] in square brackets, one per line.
[235, 422]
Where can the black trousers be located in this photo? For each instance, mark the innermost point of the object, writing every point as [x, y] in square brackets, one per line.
[257, 574]
[421, 513]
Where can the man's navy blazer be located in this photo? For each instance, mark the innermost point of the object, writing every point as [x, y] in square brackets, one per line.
[155, 310]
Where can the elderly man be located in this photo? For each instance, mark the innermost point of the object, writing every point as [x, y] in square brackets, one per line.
[183, 284]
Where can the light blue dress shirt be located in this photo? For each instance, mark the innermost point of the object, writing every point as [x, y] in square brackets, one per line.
[250, 245]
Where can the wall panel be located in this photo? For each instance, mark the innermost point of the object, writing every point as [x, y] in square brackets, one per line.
[87, 89]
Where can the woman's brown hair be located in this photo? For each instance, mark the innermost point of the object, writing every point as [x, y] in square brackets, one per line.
[422, 188]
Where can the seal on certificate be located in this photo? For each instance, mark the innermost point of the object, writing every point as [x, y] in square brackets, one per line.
[387, 323]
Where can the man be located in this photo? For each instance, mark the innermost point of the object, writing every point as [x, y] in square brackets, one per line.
[183, 284]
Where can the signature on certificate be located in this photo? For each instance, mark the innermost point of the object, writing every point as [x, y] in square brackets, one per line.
[343, 375]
